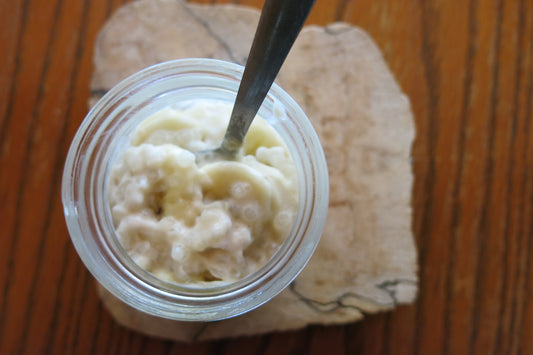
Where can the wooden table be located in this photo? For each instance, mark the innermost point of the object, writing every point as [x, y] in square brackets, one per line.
[467, 67]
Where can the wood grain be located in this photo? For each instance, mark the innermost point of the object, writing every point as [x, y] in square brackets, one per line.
[467, 67]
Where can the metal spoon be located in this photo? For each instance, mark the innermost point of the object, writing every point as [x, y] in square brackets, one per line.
[279, 25]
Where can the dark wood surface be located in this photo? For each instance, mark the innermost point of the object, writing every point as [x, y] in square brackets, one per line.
[467, 67]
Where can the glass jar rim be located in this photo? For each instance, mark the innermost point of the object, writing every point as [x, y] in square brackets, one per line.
[145, 292]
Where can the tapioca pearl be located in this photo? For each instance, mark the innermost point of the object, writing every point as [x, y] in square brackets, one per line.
[119, 212]
[240, 189]
[133, 197]
[137, 227]
[197, 146]
[141, 259]
[148, 156]
[272, 156]
[222, 264]
[214, 222]
[185, 159]
[152, 155]
[223, 272]
[174, 228]
[251, 212]
[283, 221]
[132, 161]
[142, 182]
[177, 252]
[178, 229]
[221, 227]
[164, 275]
[241, 237]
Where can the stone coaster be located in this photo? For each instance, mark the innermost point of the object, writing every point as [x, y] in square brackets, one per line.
[366, 259]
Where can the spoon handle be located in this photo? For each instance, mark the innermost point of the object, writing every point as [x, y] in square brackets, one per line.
[279, 25]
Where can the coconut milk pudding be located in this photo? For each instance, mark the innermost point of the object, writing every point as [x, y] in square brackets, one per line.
[196, 223]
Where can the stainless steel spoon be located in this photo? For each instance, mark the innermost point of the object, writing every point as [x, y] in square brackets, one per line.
[279, 25]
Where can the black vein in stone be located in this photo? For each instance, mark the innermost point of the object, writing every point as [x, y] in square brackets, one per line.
[212, 33]
[338, 303]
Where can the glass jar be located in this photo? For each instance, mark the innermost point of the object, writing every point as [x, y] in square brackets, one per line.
[105, 132]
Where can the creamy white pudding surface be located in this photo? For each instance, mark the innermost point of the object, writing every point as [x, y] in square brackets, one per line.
[192, 223]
